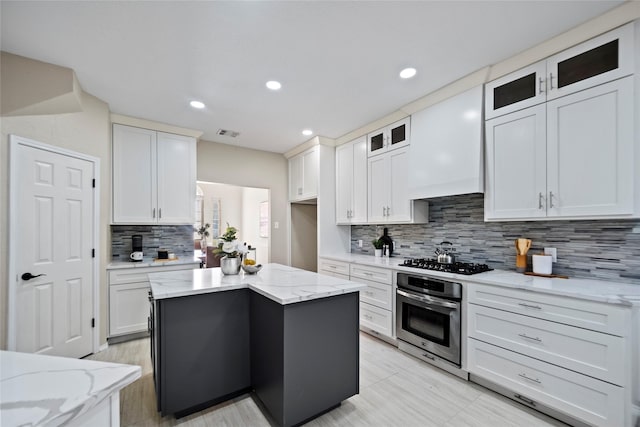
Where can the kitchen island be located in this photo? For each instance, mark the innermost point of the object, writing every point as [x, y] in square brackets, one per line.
[289, 335]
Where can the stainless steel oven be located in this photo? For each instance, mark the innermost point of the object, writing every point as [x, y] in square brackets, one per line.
[428, 313]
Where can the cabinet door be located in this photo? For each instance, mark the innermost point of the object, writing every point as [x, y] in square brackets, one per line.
[516, 165]
[359, 192]
[310, 169]
[398, 134]
[599, 60]
[516, 91]
[344, 183]
[590, 151]
[398, 177]
[376, 142]
[134, 175]
[128, 308]
[378, 191]
[295, 177]
[176, 178]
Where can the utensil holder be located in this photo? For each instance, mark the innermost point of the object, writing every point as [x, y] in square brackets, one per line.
[521, 263]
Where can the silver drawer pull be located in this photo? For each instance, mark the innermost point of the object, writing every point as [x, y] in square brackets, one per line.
[428, 356]
[368, 274]
[524, 399]
[332, 266]
[535, 380]
[537, 307]
[530, 338]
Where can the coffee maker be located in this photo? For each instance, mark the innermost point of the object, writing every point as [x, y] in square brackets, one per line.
[136, 248]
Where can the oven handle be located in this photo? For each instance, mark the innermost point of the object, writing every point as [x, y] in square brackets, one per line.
[428, 299]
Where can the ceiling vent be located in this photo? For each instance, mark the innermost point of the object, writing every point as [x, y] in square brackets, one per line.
[226, 132]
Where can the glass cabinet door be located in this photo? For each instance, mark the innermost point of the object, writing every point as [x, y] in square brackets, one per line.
[399, 134]
[376, 142]
[516, 91]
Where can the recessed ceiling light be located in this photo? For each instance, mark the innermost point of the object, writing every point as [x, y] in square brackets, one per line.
[407, 73]
[197, 104]
[273, 85]
[307, 132]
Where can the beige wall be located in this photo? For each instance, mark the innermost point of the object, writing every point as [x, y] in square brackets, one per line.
[86, 132]
[228, 164]
[304, 236]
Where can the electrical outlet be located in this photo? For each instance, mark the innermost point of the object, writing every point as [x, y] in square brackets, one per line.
[359, 243]
[552, 252]
[276, 225]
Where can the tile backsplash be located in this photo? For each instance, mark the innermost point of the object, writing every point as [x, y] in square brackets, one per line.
[178, 239]
[597, 249]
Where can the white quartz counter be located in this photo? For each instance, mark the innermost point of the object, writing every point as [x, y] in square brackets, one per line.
[45, 390]
[588, 289]
[150, 262]
[280, 283]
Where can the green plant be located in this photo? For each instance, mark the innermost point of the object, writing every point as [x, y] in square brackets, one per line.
[203, 231]
[377, 243]
[229, 245]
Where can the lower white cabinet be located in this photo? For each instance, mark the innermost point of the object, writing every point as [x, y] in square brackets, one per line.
[377, 300]
[329, 267]
[129, 297]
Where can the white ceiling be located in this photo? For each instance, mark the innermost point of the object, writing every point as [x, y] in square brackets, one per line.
[338, 61]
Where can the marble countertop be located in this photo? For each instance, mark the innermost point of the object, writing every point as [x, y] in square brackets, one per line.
[150, 262]
[46, 390]
[280, 283]
[587, 289]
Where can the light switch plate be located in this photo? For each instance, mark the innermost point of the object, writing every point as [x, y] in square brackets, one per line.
[360, 243]
[552, 252]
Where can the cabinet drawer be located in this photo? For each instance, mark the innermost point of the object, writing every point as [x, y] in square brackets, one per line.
[128, 308]
[596, 402]
[377, 294]
[377, 274]
[592, 353]
[332, 266]
[376, 318]
[139, 274]
[606, 318]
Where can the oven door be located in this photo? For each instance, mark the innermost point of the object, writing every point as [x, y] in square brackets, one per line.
[430, 323]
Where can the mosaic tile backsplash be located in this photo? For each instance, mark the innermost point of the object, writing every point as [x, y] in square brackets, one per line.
[595, 249]
[178, 239]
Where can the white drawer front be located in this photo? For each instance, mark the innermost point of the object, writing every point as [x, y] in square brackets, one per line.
[382, 275]
[328, 265]
[576, 395]
[139, 274]
[592, 353]
[376, 318]
[599, 317]
[128, 308]
[333, 274]
[377, 294]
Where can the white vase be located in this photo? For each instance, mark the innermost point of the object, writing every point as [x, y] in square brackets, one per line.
[203, 245]
[230, 265]
[378, 252]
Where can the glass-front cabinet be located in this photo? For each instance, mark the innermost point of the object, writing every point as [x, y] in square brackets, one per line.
[594, 62]
[390, 137]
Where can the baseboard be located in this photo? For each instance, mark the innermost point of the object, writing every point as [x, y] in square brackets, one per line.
[103, 347]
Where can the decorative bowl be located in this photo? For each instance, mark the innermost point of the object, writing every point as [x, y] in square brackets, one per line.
[251, 269]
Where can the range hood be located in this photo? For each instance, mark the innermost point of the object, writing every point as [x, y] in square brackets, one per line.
[446, 152]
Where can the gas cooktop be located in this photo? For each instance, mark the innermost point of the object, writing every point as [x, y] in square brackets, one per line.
[456, 267]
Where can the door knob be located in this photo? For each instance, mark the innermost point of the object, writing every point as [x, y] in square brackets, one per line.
[29, 276]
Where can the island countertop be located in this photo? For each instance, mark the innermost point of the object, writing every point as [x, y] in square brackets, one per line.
[48, 390]
[280, 283]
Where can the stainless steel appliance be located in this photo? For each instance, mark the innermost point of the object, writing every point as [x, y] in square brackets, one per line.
[465, 268]
[136, 248]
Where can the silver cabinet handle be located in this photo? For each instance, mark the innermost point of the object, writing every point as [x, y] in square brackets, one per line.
[154, 212]
[540, 197]
[535, 380]
[530, 338]
[541, 85]
[427, 355]
[160, 213]
[299, 191]
[428, 300]
[524, 399]
[550, 80]
[537, 307]
[550, 199]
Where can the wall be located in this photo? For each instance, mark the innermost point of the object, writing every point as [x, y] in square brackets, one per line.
[230, 206]
[87, 132]
[304, 236]
[597, 249]
[177, 239]
[228, 164]
[251, 200]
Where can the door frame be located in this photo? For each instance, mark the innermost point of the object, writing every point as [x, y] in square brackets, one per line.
[12, 279]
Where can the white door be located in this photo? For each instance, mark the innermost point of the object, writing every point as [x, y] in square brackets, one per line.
[400, 206]
[359, 192]
[52, 236]
[344, 183]
[378, 172]
[176, 178]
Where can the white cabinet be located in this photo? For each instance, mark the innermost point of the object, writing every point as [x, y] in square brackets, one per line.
[351, 182]
[395, 135]
[329, 267]
[388, 192]
[596, 61]
[551, 353]
[154, 177]
[572, 157]
[303, 175]
[377, 300]
[129, 297]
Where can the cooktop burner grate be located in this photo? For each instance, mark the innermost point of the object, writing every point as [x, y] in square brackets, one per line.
[465, 268]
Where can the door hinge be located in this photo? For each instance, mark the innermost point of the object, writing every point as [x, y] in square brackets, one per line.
[93, 253]
[93, 183]
[93, 322]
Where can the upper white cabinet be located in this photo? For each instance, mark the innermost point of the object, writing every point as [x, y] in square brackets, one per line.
[303, 175]
[446, 151]
[388, 191]
[396, 135]
[351, 182]
[596, 61]
[154, 177]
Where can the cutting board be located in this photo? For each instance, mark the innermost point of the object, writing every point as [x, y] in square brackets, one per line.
[553, 276]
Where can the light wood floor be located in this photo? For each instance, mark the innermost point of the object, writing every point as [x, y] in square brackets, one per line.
[395, 390]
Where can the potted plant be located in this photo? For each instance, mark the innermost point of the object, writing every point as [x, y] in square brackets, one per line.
[203, 232]
[230, 250]
[377, 244]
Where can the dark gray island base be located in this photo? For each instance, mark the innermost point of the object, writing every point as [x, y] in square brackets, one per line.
[301, 359]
